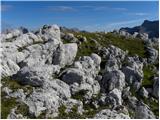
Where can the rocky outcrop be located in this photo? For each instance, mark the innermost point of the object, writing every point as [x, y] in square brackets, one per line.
[48, 98]
[40, 72]
[82, 75]
[134, 70]
[114, 57]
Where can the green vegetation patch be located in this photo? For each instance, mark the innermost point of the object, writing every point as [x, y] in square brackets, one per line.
[7, 103]
[133, 45]
[14, 85]
[73, 114]
[79, 95]
[148, 76]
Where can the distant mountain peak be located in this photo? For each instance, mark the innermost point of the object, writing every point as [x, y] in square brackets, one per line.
[149, 27]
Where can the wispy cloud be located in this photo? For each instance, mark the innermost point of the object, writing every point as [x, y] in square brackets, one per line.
[125, 22]
[138, 14]
[120, 9]
[61, 8]
[86, 6]
[6, 7]
[102, 8]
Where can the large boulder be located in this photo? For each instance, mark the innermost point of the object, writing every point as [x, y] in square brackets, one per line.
[117, 95]
[114, 57]
[69, 37]
[49, 33]
[73, 75]
[134, 70]
[114, 79]
[70, 52]
[65, 54]
[152, 54]
[36, 76]
[49, 98]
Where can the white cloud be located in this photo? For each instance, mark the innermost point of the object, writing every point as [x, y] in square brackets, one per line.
[138, 14]
[61, 8]
[122, 23]
[101, 8]
[120, 9]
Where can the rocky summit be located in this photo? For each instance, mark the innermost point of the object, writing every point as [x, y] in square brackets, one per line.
[57, 73]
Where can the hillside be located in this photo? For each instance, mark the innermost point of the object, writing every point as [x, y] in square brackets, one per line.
[61, 73]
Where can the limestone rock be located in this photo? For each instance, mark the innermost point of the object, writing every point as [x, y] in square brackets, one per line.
[143, 112]
[153, 54]
[69, 37]
[81, 76]
[35, 76]
[114, 79]
[48, 98]
[9, 68]
[115, 93]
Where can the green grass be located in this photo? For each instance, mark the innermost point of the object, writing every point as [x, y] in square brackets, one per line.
[8, 103]
[133, 45]
[23, 109]
[73, 114]
[148, 76]
[154, 105]
[79, 95]
[14, 85]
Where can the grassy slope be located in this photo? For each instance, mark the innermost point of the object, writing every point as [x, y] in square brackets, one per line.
[134, 46]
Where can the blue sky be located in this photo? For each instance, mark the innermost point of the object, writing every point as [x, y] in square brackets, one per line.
[91, 16]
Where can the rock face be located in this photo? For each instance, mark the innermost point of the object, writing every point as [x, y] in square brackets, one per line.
[108, 114]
